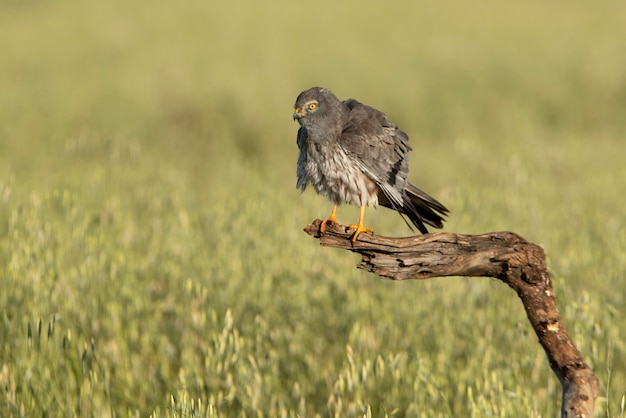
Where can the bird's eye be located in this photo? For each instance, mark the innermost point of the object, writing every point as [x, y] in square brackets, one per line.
[312, 106]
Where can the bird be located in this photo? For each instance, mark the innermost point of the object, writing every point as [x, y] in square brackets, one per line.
[352, 153]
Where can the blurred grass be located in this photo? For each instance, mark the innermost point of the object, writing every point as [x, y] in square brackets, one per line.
[150, 232]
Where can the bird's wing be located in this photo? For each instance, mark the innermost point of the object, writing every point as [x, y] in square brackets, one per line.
[379, 148]
[301, 140]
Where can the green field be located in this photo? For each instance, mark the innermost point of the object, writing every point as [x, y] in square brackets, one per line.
[152, 258]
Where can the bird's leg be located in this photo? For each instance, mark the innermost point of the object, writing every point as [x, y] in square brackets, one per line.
[359, 227]
[331, 218]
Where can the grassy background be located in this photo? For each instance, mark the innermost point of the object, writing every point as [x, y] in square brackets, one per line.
[152, 259]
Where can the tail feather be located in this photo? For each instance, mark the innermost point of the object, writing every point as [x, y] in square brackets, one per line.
[420, 208]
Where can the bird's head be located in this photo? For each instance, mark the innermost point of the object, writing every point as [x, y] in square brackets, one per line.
[316, 103]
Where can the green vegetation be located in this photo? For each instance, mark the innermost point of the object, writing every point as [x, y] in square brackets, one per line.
[152, 259]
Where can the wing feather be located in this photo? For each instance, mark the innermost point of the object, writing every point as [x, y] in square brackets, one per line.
[379, 148]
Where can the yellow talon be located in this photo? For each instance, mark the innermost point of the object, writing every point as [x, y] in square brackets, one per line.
[359, 227]
[331, 218]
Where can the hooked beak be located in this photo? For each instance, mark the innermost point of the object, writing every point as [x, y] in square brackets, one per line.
[298, 114]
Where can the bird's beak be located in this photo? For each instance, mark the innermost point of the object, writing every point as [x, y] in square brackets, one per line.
[298, 114]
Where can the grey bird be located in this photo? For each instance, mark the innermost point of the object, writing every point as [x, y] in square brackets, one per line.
[351, 153]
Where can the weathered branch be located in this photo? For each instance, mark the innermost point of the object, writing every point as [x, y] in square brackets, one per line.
[502, 255]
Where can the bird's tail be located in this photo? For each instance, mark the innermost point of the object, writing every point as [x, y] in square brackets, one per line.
[422, 209]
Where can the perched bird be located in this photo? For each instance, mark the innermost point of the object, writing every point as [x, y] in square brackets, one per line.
[351, 153]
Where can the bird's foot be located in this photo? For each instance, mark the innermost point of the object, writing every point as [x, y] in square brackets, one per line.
[331, 219]
[359, 228]
[324, 222]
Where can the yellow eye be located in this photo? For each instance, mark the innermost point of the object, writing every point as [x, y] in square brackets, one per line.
[312, 106]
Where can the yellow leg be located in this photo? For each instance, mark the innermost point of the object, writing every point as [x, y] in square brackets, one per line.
[331, 218]
[359, 227]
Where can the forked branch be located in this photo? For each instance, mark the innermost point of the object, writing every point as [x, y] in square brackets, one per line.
[502, 255]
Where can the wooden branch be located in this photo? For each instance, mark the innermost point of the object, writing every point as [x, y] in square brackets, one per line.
[502, 255]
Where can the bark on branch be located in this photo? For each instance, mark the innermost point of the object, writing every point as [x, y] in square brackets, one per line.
[502, 255]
